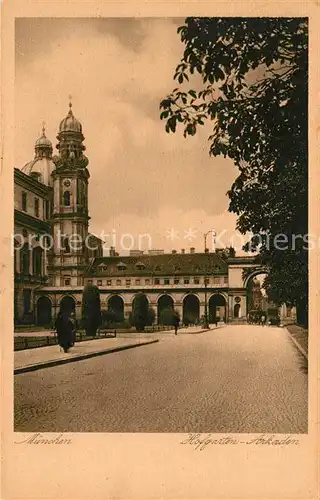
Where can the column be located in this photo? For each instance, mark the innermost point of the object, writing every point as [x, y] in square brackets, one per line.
[30, 260]
[243, 304]
[230, 308]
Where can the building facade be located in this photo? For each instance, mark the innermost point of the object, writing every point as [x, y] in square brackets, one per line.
[55, 256]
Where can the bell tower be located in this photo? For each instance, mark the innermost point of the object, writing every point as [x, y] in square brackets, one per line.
[70, 216]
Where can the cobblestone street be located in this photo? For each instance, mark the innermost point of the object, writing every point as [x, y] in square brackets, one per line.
[230, 380]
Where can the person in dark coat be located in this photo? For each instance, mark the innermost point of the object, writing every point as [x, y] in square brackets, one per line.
[74, 330]
[65, 328]
[176, 322]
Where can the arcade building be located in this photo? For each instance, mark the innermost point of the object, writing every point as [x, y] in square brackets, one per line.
[51, 206]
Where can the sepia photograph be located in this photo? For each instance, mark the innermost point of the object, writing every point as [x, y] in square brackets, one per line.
[161, 233]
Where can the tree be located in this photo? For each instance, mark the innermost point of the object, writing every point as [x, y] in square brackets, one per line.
[151, 316]
[91, 309]
[169, 316]
[140, 312]
[254, 90]
[226, 253]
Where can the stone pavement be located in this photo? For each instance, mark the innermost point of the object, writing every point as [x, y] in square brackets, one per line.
[43, 357]
[236, 379]
[299, 336]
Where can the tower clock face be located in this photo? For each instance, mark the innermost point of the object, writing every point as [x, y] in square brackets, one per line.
[67, 183]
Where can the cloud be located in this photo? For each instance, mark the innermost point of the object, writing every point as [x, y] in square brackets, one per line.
[117, 72]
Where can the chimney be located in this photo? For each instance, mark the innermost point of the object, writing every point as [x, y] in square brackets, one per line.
[174, 251]
[112, 252]
[192, 250]
[183, 250]
[207, 250]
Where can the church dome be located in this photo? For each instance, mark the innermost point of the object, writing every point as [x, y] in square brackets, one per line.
[41, 169]
[41, 166]
[70, 123]
[43, 141]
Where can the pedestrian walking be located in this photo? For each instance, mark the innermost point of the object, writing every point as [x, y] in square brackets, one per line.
[176, 324]
[263, 320]
[65, 328]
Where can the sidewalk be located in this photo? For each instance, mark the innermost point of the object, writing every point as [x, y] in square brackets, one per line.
[299, 336]
[45, 357]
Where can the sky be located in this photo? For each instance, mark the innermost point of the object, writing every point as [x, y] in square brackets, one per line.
[143, 181]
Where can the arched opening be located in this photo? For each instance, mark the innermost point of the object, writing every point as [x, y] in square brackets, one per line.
[116, 308]
[191, 309]
[37, 261]
[44, 311]
[217, 308]
[236, 311]
[67, 304]
[66, 245]
[165, 304]
[66, 198]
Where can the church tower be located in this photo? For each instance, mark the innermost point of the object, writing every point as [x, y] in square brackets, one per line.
[70, 205]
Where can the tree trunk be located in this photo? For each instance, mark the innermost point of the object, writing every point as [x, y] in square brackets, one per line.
[302, 314]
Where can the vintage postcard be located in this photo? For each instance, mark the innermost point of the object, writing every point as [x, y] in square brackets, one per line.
[160, 258]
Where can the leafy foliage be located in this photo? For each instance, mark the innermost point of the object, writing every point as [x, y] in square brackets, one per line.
[169, 316]
[254, 91]
[226, 253]
[140, 312]
[91, 309]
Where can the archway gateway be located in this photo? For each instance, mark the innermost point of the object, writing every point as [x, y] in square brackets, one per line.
[44, 311]
[67, 304]
[164, 302]
[217, 308]
[116, 306]
[256, 295]
[191, 309]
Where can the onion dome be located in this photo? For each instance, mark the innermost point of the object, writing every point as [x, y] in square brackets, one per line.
[70, 123]
[42, 166]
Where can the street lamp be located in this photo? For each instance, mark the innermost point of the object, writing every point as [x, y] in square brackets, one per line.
[206, 250]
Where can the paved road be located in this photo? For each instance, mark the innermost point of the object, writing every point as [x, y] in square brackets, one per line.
[231, 380]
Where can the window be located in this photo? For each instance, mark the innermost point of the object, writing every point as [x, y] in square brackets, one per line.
[186, 281]
[118, 282]
[225, 280]
[157, 281]
[216, 280]
[109, 282]
[25, 260]
[99, 282]
[24, 201]
[66, 245]
[128, 282]
[167, 281]
[196, 281]
[176, 281]
[67, 282]
[37, 261]
[147, 281]
[47, 214]
[137, 282]
[66, 198]
[36, 207]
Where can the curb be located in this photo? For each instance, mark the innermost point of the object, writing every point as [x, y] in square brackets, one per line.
[302, 351]
[49, 364]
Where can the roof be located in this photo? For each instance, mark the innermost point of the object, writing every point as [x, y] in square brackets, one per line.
[44, 166]
[159, 265]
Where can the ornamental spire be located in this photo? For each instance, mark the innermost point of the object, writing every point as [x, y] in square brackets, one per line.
[70, 104]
